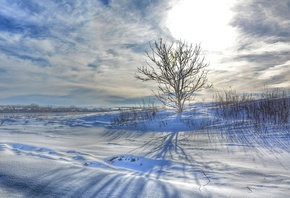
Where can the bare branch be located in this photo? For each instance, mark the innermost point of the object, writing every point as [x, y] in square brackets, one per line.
[178, 70]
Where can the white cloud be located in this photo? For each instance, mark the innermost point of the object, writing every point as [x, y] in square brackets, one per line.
[203, 21]
[58, 48]
[82, 45]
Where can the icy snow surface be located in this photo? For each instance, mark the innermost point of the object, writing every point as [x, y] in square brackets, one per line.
[192, 155]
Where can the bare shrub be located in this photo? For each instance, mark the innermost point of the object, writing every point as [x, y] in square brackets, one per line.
[134, 116]
[271, 106]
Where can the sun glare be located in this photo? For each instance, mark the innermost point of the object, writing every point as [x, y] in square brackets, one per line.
[204, 22]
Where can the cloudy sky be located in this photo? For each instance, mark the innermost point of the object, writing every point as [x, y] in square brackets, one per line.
[85, 52]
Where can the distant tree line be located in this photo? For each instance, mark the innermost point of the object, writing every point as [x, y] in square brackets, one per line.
[35, 108]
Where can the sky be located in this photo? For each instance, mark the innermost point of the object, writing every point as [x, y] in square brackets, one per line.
[86, 52]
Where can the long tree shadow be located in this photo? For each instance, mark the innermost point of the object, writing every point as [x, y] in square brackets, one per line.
[169, 147]
[166, 144]
[76, 182]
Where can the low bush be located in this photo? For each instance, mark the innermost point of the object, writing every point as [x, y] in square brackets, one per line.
[271, 106]
[135, 115]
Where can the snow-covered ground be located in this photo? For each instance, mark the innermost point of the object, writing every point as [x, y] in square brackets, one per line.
[195, 155]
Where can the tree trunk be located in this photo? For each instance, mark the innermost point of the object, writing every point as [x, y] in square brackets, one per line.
[180, 108]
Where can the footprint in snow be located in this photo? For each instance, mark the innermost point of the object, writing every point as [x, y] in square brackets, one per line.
[79, 158]
[1, 147]
[41, 152]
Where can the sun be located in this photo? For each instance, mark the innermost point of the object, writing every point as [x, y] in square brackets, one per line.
[205, 22]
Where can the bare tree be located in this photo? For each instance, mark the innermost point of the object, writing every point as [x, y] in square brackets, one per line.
[178, 70]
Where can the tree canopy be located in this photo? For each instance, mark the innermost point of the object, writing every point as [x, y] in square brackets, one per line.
[178, 69]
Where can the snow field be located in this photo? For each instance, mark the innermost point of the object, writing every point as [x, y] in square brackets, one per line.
[84, 156]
